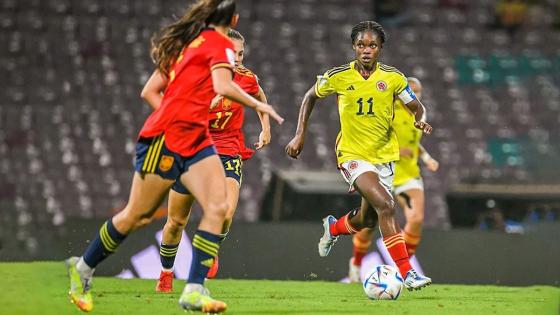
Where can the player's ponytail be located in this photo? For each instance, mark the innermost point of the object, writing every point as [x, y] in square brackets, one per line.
[168, 43]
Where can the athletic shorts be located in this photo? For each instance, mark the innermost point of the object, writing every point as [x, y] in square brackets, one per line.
[350, 170]
[153, 157]
[415, 183]
[232, 165]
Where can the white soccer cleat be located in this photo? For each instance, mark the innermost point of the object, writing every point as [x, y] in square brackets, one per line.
[327, 241]
[414, 281]
[354, 272]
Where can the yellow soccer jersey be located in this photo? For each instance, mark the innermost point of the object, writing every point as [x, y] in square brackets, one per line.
[409, 137]
[366, 111]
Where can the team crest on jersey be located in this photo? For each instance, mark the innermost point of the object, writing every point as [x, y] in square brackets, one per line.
[166, 163]
[381, 85]
[352, 166]
[226, 104]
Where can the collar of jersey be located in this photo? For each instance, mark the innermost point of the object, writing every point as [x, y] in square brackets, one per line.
[353, 67]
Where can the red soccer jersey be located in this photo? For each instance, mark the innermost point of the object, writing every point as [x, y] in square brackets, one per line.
[183, 114]
[226, 119]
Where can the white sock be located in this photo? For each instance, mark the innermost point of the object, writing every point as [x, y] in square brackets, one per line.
[83, 268]
[167, 270]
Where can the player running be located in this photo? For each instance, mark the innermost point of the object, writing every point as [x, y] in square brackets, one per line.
[196, 55]
[226, 121]
[408, 185]
[366, 146]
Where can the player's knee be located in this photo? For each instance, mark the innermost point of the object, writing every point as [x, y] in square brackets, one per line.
[416, 218]
[386, 208]
[176, 225]
[217, 209]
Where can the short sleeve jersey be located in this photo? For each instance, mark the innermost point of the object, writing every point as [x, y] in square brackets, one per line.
[409, 137]
[366, 111]
[226, 119]
[184, 111]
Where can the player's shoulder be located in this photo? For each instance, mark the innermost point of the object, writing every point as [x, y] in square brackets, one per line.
[215, 37]
[339, 70]
[243, 71]
[389, 70]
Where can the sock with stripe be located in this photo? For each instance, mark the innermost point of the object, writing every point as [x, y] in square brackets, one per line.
[205, 246]
[359, 249]
[397, 249]
[343, 226]
[106, 243]
[167, 254]
[411, 241]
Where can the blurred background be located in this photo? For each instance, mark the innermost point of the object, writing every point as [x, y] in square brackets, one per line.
[71, 74]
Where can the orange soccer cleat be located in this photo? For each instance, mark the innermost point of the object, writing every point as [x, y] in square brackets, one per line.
[213, 270]
[165, 282]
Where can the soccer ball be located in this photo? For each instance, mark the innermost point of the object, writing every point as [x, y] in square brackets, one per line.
[384, 283]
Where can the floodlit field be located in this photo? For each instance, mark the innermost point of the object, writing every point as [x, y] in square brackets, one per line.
[41, 287]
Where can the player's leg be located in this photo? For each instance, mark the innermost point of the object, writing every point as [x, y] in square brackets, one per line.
[412, 203]
[178, 211]
[232, 199]
[374, 188]
[146, 194]
[361, 242]
[206, 181]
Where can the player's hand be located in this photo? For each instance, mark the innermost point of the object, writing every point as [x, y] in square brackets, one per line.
[432, 165]
[406, 152]
[264, 139]
[424, 126]
[268, 109]
[294, 147]
[215, 101]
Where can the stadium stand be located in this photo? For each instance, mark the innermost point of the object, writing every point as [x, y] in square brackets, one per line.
[72, 72]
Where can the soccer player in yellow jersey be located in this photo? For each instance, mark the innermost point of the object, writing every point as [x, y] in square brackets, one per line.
[408, 185]
[367, 146]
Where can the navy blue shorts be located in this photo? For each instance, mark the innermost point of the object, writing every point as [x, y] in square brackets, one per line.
[153, 157]
[232, 165]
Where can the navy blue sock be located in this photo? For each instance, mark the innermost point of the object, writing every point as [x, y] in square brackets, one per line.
[167, 254]
[205, 247]
[103, 245]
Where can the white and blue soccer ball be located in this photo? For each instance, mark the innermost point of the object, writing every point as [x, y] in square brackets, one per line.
[384, 283]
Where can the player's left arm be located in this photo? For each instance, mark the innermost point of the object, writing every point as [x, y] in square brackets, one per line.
[264, 136]
[152, 92]
[407, 96]
[431, 163]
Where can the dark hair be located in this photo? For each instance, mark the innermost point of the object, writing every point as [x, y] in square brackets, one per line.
[234, 34]
[371, 26]
[168, 42]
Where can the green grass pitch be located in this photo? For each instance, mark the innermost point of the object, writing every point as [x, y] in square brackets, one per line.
[40, 288]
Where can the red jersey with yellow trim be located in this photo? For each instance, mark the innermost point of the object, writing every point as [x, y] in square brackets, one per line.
[183, 114]
[226, 119]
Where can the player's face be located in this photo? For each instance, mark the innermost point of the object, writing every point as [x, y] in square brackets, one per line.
[367, 47]
[239, 49]
[417, 89]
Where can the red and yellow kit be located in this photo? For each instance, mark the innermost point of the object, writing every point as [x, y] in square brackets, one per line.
[183, 115]
[226, 119]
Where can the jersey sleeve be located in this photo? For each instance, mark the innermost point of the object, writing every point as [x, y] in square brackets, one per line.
[403, 90]
[254, 87]
[324, 85]
[221, 55]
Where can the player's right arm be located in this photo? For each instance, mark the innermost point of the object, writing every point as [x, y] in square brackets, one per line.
[224, 85]
[152, 92]
[322, 88]
[294, 147]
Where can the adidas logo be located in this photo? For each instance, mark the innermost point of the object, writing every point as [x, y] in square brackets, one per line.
[208, 262]
[350, 88]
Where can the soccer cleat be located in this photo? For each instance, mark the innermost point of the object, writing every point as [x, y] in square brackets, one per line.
[354, 272]
[414, 281]
[196, 297]
[327, 241]
[79, 287]
[213, 271]
[165, 282]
